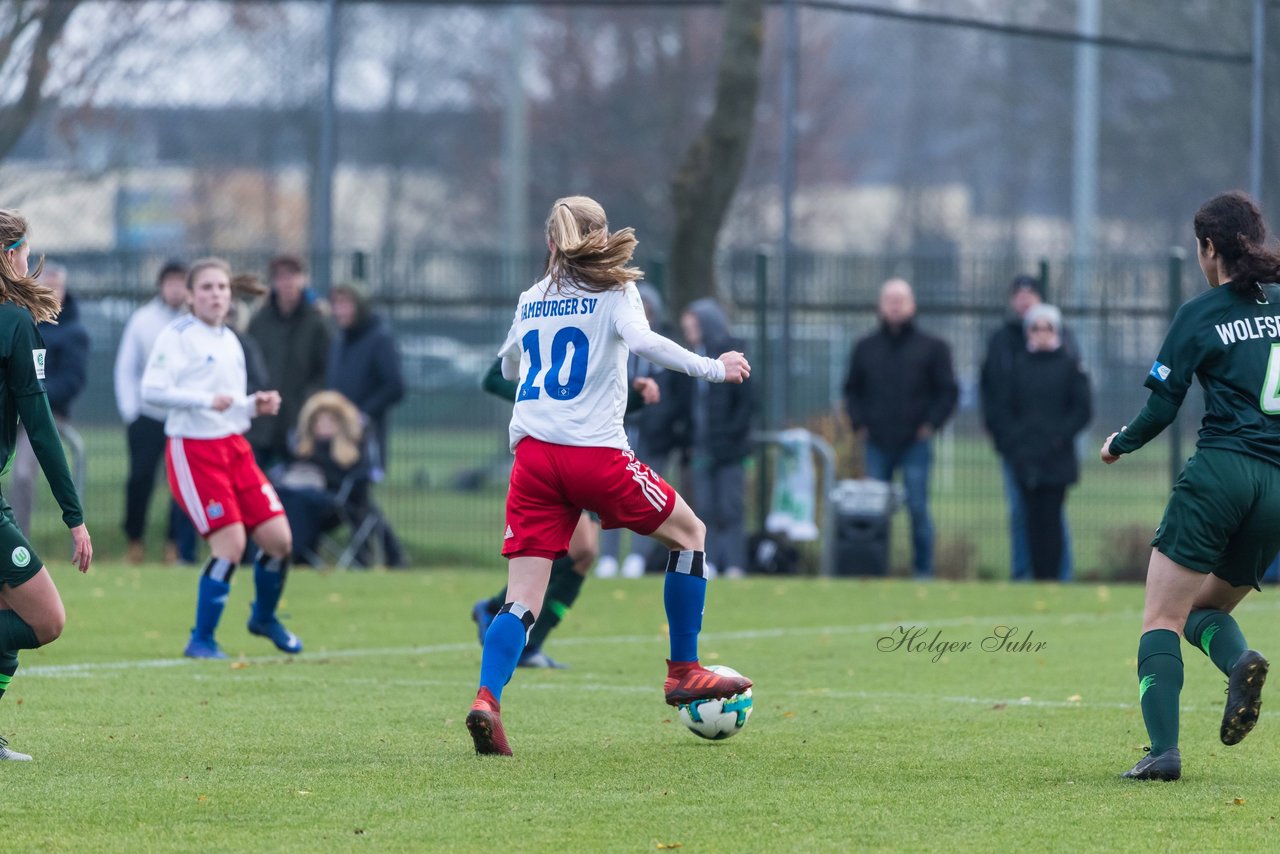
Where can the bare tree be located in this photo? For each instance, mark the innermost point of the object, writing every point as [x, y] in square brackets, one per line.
[24, 69]
[708, 177]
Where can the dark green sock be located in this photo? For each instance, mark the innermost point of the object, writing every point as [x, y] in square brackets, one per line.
[8, 667]
[15, 634]
[1159, 684]
[1218, 634]
[562, 592]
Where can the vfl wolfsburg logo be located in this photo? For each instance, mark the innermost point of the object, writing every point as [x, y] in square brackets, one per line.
[20, 557]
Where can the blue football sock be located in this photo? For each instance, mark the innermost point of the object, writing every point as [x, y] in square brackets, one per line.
[215, 585]
[268, 581]
[684, 594]
[503, 644]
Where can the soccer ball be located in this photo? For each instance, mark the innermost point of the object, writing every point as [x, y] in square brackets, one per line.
[717, 719]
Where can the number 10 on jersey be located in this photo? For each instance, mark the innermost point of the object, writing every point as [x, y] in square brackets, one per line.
[572, 385]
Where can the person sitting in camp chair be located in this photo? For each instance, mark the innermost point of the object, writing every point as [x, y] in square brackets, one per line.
[326, 484]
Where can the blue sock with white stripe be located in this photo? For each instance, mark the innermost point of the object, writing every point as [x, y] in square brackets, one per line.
[215, 585]
[503, 643]
[684, 594]
[268, 581]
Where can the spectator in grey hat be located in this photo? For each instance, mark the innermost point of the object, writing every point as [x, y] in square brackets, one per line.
[1045, 405]
[1003, 347]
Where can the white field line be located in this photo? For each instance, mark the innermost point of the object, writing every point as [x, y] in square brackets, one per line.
[99, 668]
[435, 649]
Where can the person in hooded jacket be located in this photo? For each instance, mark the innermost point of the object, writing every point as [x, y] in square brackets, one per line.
[66, 367]
[899, 391]
[719, 440]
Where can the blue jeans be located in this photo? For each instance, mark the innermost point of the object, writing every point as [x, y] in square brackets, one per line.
[914, 460]
[1019, 545]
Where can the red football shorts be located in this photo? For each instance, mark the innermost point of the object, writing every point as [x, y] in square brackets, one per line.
[552, 484]
[218, 483]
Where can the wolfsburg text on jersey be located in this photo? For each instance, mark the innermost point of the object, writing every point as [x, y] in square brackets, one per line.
[1245, 330]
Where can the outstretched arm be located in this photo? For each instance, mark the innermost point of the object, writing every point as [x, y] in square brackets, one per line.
[647, 344]
[1157, 414]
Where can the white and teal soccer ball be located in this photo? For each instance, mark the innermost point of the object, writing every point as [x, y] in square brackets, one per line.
[717, 719]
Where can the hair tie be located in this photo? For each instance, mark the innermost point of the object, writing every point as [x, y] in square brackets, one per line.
[12, 246]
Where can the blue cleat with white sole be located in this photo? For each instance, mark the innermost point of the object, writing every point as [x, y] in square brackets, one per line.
[274, 630]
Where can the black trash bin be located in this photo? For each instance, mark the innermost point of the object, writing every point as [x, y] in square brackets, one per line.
[863, 509]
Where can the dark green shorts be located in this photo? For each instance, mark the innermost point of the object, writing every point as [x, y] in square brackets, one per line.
[1223, 517]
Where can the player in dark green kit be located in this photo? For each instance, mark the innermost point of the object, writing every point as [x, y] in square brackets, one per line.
[31, 612]
[1221, 527]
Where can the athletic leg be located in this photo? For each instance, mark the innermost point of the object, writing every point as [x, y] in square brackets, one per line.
[225, 545]
[270, 571]
[1171, 591]
[684, 596]
[567, 575]
[503, 642]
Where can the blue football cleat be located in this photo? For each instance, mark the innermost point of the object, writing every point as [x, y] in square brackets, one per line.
[482, 618]
[285, 640]
[203, 648]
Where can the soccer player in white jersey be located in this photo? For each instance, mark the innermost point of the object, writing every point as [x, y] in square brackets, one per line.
[197, 372]
[568, 346]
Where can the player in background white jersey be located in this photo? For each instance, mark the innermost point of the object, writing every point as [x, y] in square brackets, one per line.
[568, 346]
[196, 372]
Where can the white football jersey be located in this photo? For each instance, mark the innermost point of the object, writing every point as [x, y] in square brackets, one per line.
[573, 364]
[189, 365]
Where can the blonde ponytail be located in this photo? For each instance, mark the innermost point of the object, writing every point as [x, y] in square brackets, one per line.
[25, 291]
[584, 253]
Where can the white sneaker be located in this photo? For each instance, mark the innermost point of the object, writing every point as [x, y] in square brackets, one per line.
[12, 755]
[633, 567]
[607, 567]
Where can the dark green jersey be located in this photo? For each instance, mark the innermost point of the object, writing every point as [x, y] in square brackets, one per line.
[22, 397]
[1231, 343]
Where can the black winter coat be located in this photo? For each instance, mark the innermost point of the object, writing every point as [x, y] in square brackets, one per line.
[897, 383]
[66, 359]
[294, 349]
[1047, 404]
[365, 366]
[1005, 345]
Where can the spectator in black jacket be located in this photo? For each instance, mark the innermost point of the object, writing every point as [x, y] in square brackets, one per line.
[66, 370]
[719, 441]
[1046, 403]
[294, 339]
[1005, 346]
[900, 390]
[364, 364]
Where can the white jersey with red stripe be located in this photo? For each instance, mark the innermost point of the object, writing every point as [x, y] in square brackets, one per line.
[190, 364]
[568, 346]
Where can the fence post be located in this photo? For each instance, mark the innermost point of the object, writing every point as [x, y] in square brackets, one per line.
[1044, 279]
[1176, 256]
[761, 359]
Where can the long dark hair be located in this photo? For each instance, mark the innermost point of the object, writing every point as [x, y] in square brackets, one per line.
[1233, 221]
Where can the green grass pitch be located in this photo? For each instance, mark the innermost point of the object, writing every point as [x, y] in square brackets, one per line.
[359, 743]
